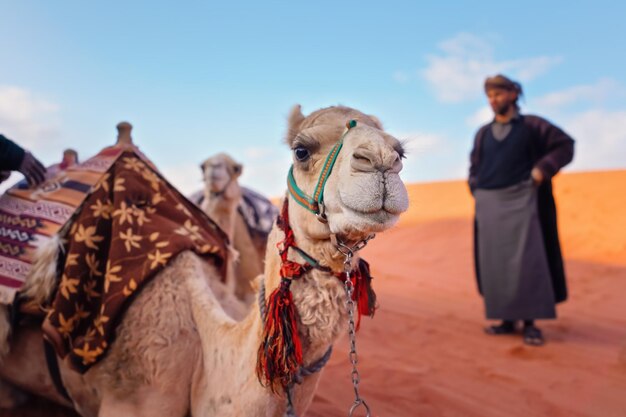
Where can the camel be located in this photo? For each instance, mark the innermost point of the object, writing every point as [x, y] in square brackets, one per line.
[221, 198]
[70, 158]
[178, 353]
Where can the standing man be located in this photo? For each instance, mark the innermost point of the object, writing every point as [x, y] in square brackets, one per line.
[516, 245]
[14, 158]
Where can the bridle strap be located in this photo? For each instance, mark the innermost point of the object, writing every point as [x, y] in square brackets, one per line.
[318, 195]
[289, 243]
[299, 196]
[315, 204]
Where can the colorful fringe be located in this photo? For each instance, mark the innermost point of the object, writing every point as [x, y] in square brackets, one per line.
[279, 357]
[280, 354]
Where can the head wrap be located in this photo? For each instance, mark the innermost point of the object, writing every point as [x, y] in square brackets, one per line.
[505, 83]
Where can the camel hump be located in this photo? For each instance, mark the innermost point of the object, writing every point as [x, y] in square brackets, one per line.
[123, 133]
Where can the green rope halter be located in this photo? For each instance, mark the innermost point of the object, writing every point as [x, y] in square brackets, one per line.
[315, 204]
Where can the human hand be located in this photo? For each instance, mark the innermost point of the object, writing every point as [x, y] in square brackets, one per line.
[537, 176]
[33, 170]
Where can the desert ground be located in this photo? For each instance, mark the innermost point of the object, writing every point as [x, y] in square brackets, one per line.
[424, 354]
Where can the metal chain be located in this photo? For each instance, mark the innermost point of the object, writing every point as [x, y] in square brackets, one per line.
[348, 252]
[349, 287]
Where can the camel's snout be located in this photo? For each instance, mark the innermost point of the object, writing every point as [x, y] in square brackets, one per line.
[367, 160]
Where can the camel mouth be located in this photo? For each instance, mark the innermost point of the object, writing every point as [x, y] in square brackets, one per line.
[380, 217]
[218, 178]
[373, 201]
[217, 183]
[354, 225]
[374, 214]
[380, 210]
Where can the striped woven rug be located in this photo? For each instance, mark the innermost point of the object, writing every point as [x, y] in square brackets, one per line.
[29, 217]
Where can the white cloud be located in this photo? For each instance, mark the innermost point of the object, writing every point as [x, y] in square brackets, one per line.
[421, 142]
[467, 46]
[600, 139]
[431, 157]
[257, 152]
[187, 178]
[480, 117]
[267, 175]
[458, 72]
[583, 111]
[29, 120]
[527, 69]
[597, 93]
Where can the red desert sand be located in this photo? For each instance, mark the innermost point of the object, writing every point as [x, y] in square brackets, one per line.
[425, 354]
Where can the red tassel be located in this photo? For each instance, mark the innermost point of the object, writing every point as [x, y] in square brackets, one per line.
[280, 354]
[363, 293]
[367, 296]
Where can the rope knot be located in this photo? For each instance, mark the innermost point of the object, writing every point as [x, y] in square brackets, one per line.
[292, 270]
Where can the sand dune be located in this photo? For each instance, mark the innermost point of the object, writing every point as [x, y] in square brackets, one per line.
[424, 354]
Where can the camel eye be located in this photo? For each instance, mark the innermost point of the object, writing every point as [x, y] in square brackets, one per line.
[302, 153]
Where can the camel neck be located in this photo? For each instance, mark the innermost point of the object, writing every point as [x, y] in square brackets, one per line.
[321, 318]
[223, 211]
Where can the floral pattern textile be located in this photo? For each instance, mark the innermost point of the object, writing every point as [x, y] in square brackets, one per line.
[130, 226]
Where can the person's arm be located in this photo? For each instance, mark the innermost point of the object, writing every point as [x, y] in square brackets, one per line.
[558, 147]
[11, 155]
[475, 159]
[14, 158]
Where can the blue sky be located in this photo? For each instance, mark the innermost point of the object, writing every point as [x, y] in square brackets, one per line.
[200, 78]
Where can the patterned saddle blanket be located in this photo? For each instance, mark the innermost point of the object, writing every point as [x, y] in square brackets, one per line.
[125, 222]
[30, 217]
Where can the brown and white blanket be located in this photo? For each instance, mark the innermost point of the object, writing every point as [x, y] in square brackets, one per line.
[123, 224]
[128, 229]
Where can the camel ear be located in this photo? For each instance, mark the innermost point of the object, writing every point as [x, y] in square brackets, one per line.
[293, 123]
[377, 121]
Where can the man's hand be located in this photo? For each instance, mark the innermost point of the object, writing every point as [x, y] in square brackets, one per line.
[33, 170]
[537, 176]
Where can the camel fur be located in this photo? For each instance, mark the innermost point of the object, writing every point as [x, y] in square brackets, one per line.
[178, 352]
[222, 196]
[37, 290]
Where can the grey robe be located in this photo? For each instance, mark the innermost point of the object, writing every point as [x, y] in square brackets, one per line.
[514, 271]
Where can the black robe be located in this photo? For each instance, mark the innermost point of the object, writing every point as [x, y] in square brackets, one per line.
[551, 149]
[11, 155]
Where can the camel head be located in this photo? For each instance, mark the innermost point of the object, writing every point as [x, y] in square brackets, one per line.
[363, 193]
[220, 174]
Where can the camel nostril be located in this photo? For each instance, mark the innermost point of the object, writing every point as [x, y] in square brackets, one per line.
[377, 160]
[362, 162]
